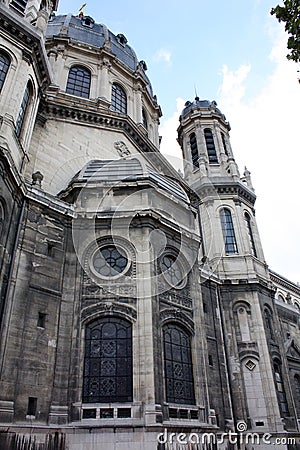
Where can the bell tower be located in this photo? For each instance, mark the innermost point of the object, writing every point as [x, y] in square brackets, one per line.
[232, 253]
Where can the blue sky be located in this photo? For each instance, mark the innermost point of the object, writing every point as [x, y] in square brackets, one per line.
[232, 52]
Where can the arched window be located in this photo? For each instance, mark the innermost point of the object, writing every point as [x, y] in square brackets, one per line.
[107, 374]
[178, 365]
[194, 150]
[250, 233]
[145, 122]
[4, 65]
[79, 82]
[228, 232]
[118, 99]
[280, 390]
[210, 146]
[19, 5]
[224, 144]
[24, 108]
[269, 323]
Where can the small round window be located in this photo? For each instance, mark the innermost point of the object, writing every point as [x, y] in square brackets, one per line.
[172, 271]
[110, 261]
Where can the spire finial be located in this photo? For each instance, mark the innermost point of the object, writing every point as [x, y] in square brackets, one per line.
[196, 94]
[81, 11]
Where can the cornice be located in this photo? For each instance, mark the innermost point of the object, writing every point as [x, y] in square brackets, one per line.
[86, 112]
[284, 282]
[231, 188]
[30, 40]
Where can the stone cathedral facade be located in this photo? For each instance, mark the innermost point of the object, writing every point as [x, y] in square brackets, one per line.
[136, 303]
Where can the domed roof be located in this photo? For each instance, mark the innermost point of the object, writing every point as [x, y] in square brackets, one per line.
[198, 104]
[85, 30]
[127, 169]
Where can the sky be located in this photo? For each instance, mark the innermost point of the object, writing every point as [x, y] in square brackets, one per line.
[233, 52]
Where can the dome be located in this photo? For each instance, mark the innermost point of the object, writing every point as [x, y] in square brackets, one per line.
[198, 104]
[84, 29]
[127, 169]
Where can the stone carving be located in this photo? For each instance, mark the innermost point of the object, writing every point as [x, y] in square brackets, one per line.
[122, 149]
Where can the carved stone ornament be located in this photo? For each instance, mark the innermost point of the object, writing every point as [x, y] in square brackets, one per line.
[250, 364]
[122, 149]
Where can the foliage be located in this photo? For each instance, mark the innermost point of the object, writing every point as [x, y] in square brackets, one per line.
[290, 14]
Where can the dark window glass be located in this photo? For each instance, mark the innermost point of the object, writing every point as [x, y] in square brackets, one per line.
[178, 365]
[4, 65]
[194, 150]
[228, 232]
[118, 99]
[41, 320]
[31, 407]
[224, 144]
[19, 5]
[280, 391]
[79, 81]
[250, 233]
[210, 146]
[108, 361]
[171, 270]
[269, 323]
[110, 261]
[145, 123]
[23, 109]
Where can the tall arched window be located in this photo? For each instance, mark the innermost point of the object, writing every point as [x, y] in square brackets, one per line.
[280, 390]
[107, 374]
[145, 122]
[4, 65]
[118, 99]
[228, 232]
[269, 323]
[24, 108]
[178, 365]
[194, 150]
[250, 233]
[224, 144]
[79, 82]
[210, 146]
[19, 5]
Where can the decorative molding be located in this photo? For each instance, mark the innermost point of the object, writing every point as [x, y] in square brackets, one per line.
[110, 308]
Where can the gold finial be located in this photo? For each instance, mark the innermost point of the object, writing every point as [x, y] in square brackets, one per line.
[81, 11]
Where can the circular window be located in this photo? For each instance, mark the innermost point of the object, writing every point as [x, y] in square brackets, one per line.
[172, 271]
[110, 261]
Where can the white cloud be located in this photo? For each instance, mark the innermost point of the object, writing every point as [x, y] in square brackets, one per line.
[265, 137]
[163, 55]
[169, 146]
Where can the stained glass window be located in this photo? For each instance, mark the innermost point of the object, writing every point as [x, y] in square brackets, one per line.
[79, 81]
[4, 65]
[280, 390]
[107, 374]
[171, 270]
[228, 231]
[110, 261]
[118, 99]
[178, 365]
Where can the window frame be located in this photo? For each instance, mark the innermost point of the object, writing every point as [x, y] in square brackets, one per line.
[79, 81]
[228, 231]
[210, 146]
[182, 364]
[118, 99]
[5, 68]
[194, 150]
[248, 221]
[121, 361]
[24, 109]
